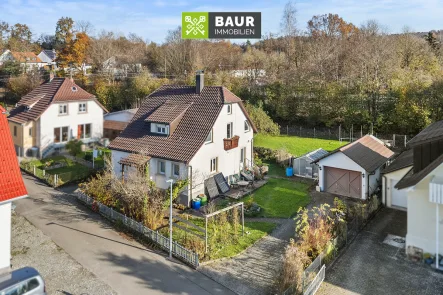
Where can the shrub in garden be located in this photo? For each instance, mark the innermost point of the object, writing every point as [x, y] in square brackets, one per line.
[74, 147]
[295, 262]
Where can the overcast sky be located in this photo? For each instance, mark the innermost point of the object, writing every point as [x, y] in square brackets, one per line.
[153, 19]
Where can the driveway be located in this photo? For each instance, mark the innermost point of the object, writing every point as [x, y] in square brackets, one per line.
[370, 266]
[125, 265]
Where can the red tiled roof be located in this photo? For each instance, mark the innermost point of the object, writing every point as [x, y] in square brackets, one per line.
[190, 133]
[40, 98]
[26, 57]
[11, 181]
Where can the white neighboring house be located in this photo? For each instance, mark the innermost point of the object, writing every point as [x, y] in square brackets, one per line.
[55, 112]
[249, 73]
[424, 187]
[27, 60]
[186, 132]
[48, 57]
[396, 170]
[353, 170]
[11, 188]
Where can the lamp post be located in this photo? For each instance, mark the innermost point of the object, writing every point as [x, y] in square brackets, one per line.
[170, 219]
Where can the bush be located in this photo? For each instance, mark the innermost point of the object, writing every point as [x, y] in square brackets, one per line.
[264, 154]
[295, 262]
[88, 157]
[262, 120]
[74, 147]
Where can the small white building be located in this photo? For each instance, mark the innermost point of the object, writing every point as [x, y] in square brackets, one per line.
[11, 188]
[52, 114]
[48, 57]
[353, 170]
[423, 185]
[396, 170]
[114, 123]
[186, 132]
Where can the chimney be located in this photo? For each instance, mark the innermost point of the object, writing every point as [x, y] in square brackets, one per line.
[199, 81]
[51, 76]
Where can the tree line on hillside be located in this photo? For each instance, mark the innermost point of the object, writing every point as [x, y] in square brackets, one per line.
[325, 73]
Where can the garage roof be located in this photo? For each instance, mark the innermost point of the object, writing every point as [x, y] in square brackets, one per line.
[368, 152]
[404, 160]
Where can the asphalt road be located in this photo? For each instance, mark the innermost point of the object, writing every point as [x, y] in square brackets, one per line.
[125, 265]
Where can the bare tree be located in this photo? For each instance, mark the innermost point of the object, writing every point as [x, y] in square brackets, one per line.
[84, 26]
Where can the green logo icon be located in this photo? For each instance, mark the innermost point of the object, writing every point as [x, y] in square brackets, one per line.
[195, 25]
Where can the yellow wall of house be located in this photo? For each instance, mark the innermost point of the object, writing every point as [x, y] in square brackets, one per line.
[29, 140]
[22, 137]
[17, 137]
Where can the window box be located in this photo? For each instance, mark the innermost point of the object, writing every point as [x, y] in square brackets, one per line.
[231, 143]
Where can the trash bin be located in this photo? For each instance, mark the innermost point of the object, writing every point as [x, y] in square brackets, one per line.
[289, 172]
[196, 203]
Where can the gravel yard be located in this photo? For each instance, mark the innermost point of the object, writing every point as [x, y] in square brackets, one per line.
[62, 274]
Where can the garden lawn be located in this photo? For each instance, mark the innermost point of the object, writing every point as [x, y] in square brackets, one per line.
[295, 145]
[275, 170]
[256, 230]
[100, 160]
[280, 198]
[70, 172]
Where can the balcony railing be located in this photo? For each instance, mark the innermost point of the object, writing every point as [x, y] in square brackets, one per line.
[231, 143]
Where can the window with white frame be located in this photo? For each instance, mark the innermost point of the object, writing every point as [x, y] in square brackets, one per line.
[82, 107]
[209, 138]
[175, 170]
[242, 155]
[247, 128]
[214, 163]
[161, 167]
[161, 128]
[229, 109]
[63, 109]
[229, 130]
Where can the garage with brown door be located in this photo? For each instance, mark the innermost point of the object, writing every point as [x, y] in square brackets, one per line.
[343, 182]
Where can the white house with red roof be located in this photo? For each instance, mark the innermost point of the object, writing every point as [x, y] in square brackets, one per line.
[186, 132]
[11, 188]
[53, 113]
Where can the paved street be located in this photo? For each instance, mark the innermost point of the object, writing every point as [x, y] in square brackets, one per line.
[370, 266]
[125, 265]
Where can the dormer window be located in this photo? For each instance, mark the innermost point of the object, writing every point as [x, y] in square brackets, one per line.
[74, 89]
[159, 128]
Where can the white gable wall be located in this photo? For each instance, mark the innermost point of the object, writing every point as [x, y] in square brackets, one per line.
[422, 216]
[340, 160]
[51, 119]
[228, 161]
[5, 233]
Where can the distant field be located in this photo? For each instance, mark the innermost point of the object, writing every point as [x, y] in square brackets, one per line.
[295, 145]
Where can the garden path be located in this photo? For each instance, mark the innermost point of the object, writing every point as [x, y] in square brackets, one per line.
[255, 270]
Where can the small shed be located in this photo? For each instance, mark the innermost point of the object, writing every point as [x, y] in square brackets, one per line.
[303, 165]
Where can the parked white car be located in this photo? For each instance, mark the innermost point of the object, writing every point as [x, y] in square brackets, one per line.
[23, 281]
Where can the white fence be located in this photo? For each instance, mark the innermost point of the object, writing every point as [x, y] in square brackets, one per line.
[157, 238]
[316, 282]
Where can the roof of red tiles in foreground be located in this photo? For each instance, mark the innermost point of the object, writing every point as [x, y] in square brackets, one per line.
[11, 181]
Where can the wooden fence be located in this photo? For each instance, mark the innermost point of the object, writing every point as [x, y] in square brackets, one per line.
[157, 238]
